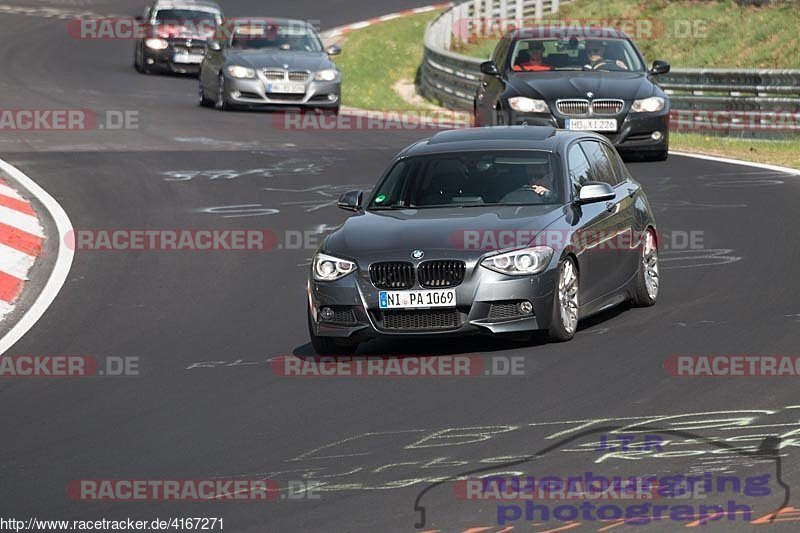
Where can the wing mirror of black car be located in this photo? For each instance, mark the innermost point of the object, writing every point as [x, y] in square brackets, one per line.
[214, 45]
[333, 50]
[350, 200]
[490, 68]
[595, 191]
[659, 67]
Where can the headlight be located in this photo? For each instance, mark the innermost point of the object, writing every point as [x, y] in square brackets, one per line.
[327, 75]
[648, 105]
[156, 44]
[520, 262]
[528, 105]
[241, 72]
[329, 268]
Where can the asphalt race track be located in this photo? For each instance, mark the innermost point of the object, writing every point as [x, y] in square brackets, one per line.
[205, 324]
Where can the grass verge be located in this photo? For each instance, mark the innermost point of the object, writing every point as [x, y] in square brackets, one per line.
[784, 153]
[375, 58]
[724, 35]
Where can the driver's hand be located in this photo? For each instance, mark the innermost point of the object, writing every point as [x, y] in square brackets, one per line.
[538, 189]
[622, 65]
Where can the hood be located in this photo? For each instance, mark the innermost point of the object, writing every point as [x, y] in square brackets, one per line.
[440, 232]
[259, 59]
[555, 85]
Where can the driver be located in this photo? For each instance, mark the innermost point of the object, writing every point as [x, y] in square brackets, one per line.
[538, 185]
[596, 53]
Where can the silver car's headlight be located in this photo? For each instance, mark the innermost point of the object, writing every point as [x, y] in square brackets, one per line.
[330, 268]
[528, 105]
[156, 44]
[330, 74]
[648, 105]
[520, 262]
[238, 71]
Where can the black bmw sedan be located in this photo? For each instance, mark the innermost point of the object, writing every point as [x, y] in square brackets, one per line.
[485, 230]
[580, 79]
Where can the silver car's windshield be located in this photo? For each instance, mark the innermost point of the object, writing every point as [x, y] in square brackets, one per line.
[276, 37]
[471, 179]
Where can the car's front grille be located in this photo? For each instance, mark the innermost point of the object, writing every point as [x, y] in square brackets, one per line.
[607, 107]
[429, 319]
[274, 74]
[573, 107]
[398, 275]
[300, 75]
[441, 274]
[183, 49]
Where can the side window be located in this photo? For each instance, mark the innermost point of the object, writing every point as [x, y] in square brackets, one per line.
[616, 162]
[604, 170]
[580, 171]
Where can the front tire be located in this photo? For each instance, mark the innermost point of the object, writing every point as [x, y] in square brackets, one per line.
[204, 102]
[564, 321]
[648, 278]
[329, 345]
[221, 102]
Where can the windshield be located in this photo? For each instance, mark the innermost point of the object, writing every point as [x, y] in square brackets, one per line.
[575, 54]
[278, 37]
[184, 16]
[466, 179]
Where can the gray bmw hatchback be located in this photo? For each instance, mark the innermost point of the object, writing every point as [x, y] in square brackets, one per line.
[485, 230]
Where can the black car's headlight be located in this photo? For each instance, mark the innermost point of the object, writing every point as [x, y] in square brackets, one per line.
[238, 71]
[329, 268]
[528, 105]
[520, 262]
[648, 105]
[156, 44]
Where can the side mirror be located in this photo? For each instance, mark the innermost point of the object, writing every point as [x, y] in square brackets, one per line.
[350, 200]
[595, 191]
[490, 68]
[214, 45]
[659, 67]
[333, 50]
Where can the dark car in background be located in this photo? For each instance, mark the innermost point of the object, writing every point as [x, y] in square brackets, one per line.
[485, 230]
[268, 63]
[581, 79]
[177, 35]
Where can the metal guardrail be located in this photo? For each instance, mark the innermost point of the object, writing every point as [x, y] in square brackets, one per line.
[754, 102]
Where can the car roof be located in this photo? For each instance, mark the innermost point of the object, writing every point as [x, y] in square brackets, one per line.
[204, 5]
[544, 31]
[496, 138]
[272, 20]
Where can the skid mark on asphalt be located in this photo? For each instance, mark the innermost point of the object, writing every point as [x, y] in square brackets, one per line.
[679, 259]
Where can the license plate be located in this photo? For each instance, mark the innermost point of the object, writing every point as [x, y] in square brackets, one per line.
[417, 299]
[288, 88]
[192, 59]
[592, 124]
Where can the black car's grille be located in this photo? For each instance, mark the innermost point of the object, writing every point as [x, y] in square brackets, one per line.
[441, 274]
[397, 275]
[573, 107]
[607, 107]
[300, 75]
[429, 319]
[275, 74]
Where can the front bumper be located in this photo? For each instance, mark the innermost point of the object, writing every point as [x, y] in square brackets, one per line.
[180, 57]
[635, 130]
[253, 92]
[485, 304]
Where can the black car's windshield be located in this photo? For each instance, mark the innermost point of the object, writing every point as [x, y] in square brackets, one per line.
[276, 37]
[470, 179]
[535, 55]
[184, 16]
